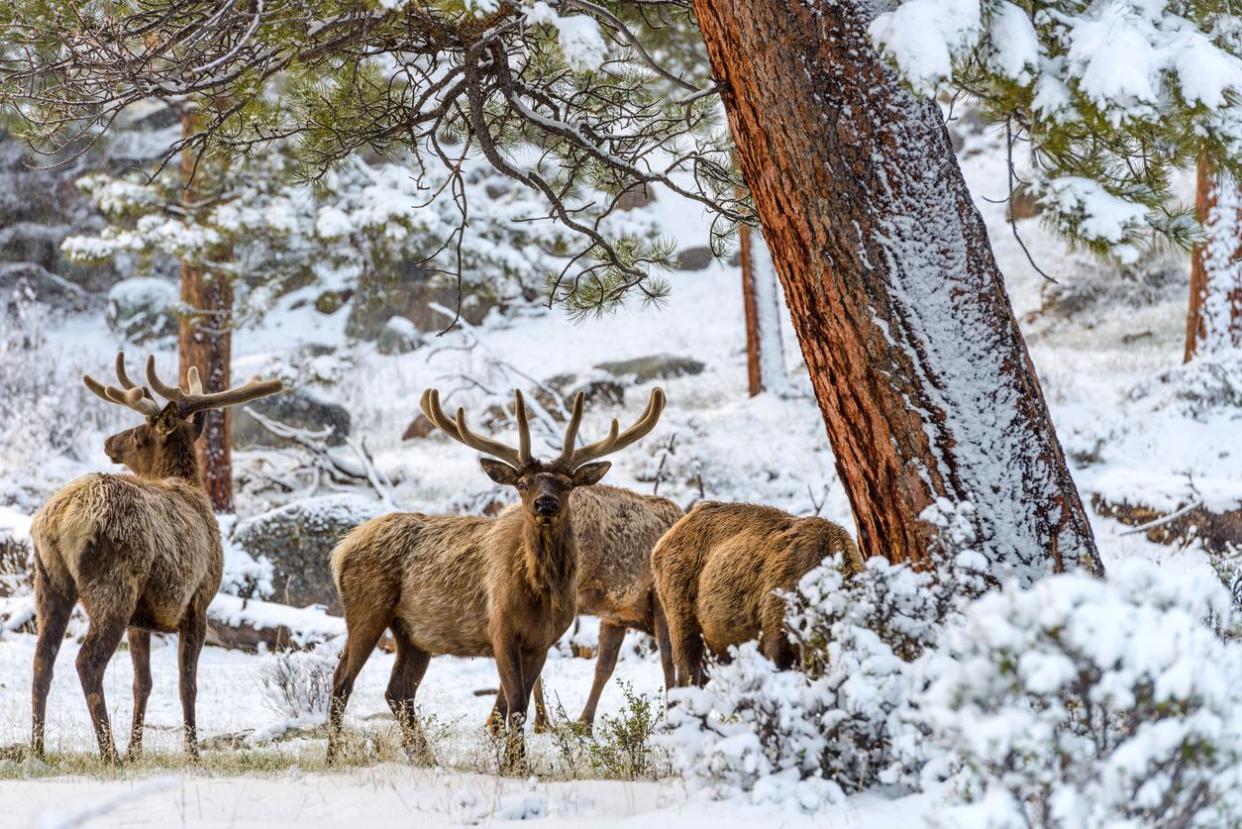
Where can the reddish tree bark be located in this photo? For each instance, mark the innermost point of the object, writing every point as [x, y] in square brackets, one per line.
[1214, 314]
[921, 374]
[750, 310]
[204, 334]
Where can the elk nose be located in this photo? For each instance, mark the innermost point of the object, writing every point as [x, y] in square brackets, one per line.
[546, 505]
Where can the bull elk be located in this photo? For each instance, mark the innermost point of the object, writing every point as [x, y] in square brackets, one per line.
[718, 572]
[141, 552]
[472, 586]
[615, 530]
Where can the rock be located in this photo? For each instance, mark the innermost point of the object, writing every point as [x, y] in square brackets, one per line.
[1023, 204]
[298, 408]
[410, 292]
[652, 367]
[142, 309]
[298, 538]
[636, 197]
[23, 281]
[693, 259]
[1219, 532]
[399, 336]
[602, 391]
[419, 428]
[255, 625]
[329, 302]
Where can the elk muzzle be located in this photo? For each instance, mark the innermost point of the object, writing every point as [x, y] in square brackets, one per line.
[547, 506]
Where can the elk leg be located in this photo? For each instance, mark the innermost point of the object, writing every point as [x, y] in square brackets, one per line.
[53, 608]
[190, 645]
[140, 655]
[611, 637]
[686, 643]
[660, 629]
[516, 692]
[102, 639]
[773, 640]
[407, 674]
[541, 708]
[364, 632]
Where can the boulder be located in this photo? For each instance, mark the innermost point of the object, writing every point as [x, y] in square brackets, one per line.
[21, 281]
[652, 367]
[693, 259]
[298, 538]
[142, 309]
[419, 428]
[399, 336]
[299, 408]
[410, 292]
[1219, 532]
[600, 391]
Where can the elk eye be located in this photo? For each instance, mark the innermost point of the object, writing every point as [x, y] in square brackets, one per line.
[521, 484]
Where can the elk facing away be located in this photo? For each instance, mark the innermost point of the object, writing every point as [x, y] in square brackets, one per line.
[472, 586]
[141, 552]
[717, 572]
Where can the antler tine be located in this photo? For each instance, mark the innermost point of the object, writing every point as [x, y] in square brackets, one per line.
[166, 391]
[193, 382]
[121, 375]
[134, 397]
[617, 440]
[196, 401]
[457, 429]
[571, 430]
[523, 424]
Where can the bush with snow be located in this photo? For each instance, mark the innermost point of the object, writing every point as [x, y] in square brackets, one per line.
[298, 684]
[1082, 703]
[845, 722]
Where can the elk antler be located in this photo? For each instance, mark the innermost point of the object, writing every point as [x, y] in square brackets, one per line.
[457, 429]
[130, 395]
[616, 440]
[193, 399]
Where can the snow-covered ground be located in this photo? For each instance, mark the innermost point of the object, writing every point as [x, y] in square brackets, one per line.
[768, 449]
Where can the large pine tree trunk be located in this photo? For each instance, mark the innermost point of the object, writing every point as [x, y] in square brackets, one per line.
[920, 371]
[1214, 319]
[205, 340]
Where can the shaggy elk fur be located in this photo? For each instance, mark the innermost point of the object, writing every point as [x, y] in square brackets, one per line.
[141, 552]
[717, 572]
[472, 586]
[615, 531]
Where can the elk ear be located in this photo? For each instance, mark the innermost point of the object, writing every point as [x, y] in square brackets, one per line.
[591, 473]
[198, 423]
[166, 421]
[499, 471]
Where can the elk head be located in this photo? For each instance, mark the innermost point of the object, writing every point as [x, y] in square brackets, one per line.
[163, 446]
[544, 486]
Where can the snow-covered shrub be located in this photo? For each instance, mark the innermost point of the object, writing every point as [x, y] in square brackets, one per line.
[843, 723]
[1082, 702]
[298, 684]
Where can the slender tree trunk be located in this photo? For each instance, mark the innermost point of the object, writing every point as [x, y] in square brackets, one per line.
[205, 340]
[923, 379]
[765, 350]
[1214, 318]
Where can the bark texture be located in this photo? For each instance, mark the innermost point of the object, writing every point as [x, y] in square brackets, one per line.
[923, 379]
[1214, 316]
[750, 309]
[205, 334]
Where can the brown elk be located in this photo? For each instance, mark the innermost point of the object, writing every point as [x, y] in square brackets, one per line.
[718, 572]
[140, 552]
[615, 530]
[472, 586]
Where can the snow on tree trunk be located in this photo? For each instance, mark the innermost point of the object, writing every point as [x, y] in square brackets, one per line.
[1214, 321]
[765, 350]
[205, 339]
[928, 394]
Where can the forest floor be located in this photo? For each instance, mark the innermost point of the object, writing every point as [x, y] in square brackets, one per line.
[728, 447]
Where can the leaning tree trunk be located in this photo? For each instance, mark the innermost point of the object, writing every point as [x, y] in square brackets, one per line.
[765, 350]
[923, 379]
[205, 340]
[1214, 320]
